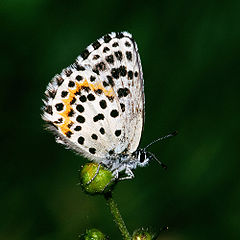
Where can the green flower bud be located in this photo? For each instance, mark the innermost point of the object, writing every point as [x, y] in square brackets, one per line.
[93, 182]
[142, 234]
[93, 234]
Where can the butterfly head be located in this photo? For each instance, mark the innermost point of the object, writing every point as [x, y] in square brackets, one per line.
[142, 157]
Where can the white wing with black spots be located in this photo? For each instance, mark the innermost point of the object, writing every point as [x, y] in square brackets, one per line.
[96, 106]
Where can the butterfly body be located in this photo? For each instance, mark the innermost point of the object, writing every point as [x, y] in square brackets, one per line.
[127, 162]
[96, 106]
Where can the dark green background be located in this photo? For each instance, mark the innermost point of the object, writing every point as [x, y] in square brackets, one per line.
[190, 55]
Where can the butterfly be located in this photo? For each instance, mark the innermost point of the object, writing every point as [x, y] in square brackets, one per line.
[96, 106]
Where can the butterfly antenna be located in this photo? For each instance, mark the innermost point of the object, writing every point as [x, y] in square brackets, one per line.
[162, 138]
[161, 164]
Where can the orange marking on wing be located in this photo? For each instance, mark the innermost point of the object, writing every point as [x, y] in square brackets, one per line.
[98, 85]
[95, 86]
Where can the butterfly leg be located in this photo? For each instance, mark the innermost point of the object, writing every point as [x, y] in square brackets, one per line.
[115, 174]
[98, 168]
[129, 174]
[111, 181]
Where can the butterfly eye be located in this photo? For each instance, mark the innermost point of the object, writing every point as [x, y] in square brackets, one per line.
[142, 157]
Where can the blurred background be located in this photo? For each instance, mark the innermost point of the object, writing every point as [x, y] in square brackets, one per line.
[190, 55]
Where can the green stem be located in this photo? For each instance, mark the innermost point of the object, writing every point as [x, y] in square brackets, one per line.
[117, 216]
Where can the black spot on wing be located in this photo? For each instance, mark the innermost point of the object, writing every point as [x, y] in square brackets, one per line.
[110, 81]
[114, 113]
[78, 128]
[118, 55]
[96, 45]
[118, 133]
[60, 120]
[64, 94]
[107, 38]
[85, 54]
[48, 110]
[52, 93]
[71, 84]
[130, 75]
[90, 97]
[73, 101]
[122, 71]
[98, 117]
[83, 98]
[115, 44]
[95, 57]
[80, 119]
[102, 130]
[80, 108]
[68, 134]
[105, 84]
[110, 59]
[81, 140]
[122, 107]
[111, 152]
[110, 98]
[103, 104]
[86, 89]
[94, 136]
[59, 106]
[106, 49]
[68, 72]
[127, 44]
[98, 91]
[70, 113]
[79, 78]
[79, 67]
[101, 66]
[123, 92]
[92, 78]
[92, 150]
[59, 80]
[95, 70]
[129, 55]
[119, 35]
[115, 73]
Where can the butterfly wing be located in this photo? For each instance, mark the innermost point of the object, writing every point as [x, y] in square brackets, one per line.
[96, 106]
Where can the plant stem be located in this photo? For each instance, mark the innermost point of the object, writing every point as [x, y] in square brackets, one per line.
[117, 216]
